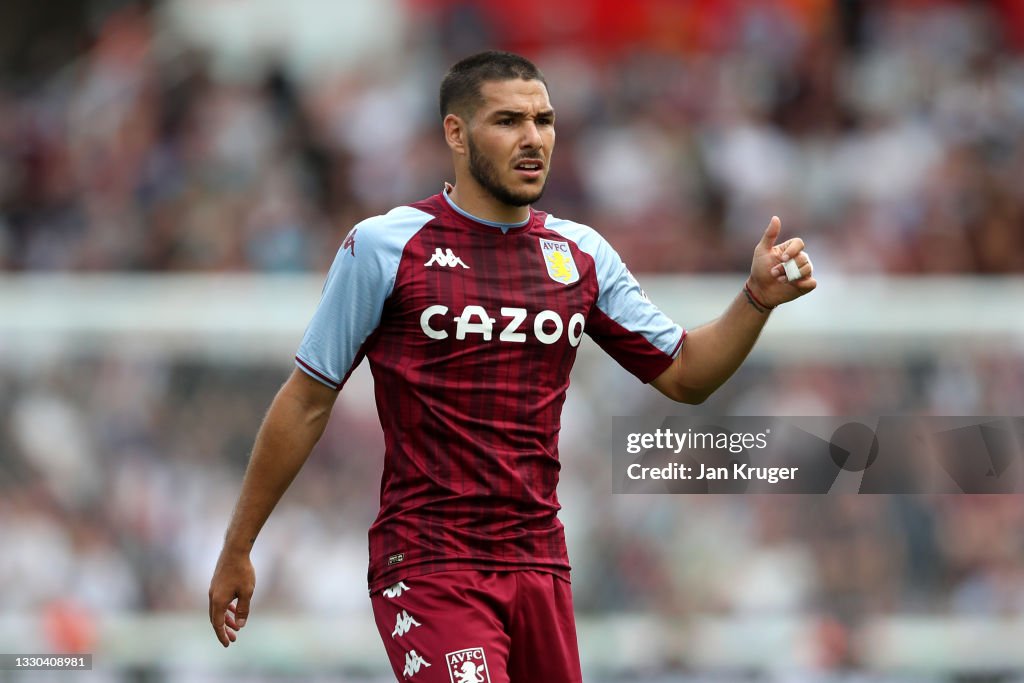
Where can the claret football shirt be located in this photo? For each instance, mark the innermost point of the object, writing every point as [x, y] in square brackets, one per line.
[471, 328]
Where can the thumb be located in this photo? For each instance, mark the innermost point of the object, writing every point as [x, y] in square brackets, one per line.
[242, 610]
[771, 233]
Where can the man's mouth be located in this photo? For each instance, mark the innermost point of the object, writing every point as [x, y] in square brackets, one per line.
[531, 168]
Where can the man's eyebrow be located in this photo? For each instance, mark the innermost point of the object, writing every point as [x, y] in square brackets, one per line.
[519, 114]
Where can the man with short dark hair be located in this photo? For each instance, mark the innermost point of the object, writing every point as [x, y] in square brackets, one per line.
[470, 306]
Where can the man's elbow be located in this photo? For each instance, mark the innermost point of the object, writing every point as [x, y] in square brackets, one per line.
[681, 393]
[690, 396]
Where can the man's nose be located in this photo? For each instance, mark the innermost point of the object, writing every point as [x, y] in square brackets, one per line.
[531, 136]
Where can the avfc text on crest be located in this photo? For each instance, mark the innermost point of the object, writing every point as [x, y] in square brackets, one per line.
[468, 666]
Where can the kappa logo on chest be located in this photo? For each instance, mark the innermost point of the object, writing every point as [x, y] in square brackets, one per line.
[445, 258]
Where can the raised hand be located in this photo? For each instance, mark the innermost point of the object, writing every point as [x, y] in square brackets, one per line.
[768, 281]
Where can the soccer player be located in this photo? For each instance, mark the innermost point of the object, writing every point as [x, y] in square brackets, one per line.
[470, 306]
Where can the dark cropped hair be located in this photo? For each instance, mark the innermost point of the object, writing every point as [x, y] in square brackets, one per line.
[460, 89]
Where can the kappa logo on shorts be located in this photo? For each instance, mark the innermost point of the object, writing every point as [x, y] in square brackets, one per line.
[413, 663]
[404, 623]
[468, 666]
[558, 259]
[395, 591]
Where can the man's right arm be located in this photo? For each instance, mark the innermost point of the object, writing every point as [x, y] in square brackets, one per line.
[293, 425]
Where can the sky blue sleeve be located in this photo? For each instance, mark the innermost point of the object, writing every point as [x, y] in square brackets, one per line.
[360, 280]
[625, 323]
[623, 300]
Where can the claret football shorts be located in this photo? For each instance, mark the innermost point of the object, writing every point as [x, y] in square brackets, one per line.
[472, 626]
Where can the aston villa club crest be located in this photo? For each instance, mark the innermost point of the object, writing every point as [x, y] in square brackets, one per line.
[558, 259]
[468, 666]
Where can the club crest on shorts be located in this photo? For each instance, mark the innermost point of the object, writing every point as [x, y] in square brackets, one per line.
[468, 666]
[558, 259]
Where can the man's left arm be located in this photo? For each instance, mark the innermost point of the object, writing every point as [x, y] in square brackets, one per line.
[713, 352]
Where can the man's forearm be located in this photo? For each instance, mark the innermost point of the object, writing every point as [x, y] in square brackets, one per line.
[711, 353]
[289, 432]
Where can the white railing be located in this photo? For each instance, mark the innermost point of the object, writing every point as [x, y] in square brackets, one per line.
[613, 644]
[253, 316]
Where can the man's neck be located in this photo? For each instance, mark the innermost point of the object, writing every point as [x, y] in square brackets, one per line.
[475, 200]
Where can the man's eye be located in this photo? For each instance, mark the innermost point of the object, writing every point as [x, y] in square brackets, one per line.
[504, 122]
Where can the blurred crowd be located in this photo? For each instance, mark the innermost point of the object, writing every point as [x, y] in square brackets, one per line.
[117, 475]
[890, 135]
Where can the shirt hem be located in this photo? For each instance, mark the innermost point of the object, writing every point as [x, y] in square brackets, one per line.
[436, 566]
[316, 374]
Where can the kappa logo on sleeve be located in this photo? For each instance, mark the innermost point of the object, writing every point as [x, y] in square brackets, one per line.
[350, 242]
[468, 666]
[558, 259]
[633, 281]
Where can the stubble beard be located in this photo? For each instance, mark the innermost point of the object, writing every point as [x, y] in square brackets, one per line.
[486, 175]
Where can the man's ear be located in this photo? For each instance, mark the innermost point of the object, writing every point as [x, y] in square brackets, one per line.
[455, 132]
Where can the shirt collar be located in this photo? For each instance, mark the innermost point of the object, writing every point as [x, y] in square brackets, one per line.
[504, 227]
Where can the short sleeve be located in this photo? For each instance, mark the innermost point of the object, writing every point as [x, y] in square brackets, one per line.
[360, 280]
[624, 322]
